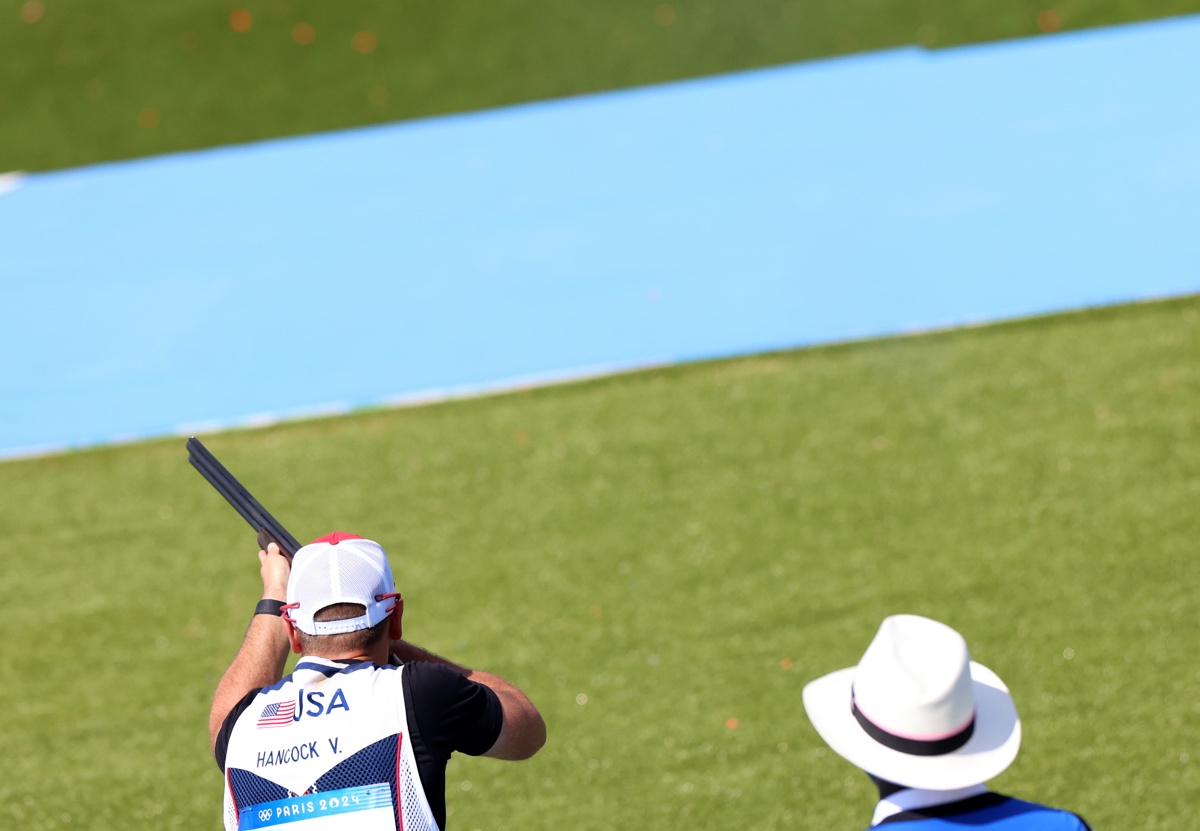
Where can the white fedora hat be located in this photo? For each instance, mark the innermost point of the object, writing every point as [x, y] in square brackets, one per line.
[917, 711]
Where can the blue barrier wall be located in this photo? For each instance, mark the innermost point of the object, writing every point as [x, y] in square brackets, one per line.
[808, 203]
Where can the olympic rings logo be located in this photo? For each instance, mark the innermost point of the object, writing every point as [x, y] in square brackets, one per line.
[264, 814]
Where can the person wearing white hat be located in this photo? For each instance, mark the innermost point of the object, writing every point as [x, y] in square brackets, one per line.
[359, 734]
[930, 727]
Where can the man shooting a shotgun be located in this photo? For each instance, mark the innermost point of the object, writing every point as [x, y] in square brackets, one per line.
[350, 734]
[359, 735]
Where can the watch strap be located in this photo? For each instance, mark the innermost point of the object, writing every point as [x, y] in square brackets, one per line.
[269, 607]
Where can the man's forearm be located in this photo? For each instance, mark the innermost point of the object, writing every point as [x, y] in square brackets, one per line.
[407, 652]
[259, 663]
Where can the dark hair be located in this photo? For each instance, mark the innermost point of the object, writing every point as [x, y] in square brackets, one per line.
[335, 646]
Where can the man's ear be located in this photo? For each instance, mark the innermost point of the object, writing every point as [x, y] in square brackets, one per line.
[293, 636]
[395, 628]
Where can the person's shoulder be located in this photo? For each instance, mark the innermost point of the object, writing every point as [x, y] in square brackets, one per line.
[1042, 816]
[1055, 818]
[434, 690]
[427, 678]
[221, 744]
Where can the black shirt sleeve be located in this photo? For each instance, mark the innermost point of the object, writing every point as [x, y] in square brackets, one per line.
[446, 713]
[222, 747]
[451, 713]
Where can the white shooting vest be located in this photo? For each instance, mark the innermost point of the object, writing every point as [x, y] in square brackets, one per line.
[326, 749]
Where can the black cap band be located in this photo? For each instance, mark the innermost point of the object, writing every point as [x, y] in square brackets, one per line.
[913, 747]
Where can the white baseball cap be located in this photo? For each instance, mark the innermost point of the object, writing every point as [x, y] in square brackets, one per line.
[339, 568]
[917, 711]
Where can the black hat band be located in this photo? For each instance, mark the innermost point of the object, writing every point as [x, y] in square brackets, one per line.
[913, 747]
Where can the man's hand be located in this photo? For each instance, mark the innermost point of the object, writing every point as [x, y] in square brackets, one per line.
[275, 568]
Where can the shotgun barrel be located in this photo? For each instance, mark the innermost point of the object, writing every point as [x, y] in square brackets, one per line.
[235, 494]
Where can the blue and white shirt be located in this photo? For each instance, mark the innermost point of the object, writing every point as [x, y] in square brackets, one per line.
[914, 809]
[359, 745]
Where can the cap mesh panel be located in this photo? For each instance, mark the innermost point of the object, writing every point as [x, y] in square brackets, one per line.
[353, 571]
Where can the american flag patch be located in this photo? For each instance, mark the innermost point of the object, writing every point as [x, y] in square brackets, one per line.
[278, 714]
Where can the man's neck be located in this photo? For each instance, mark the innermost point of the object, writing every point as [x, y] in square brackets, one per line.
[377, 653]
[352, 658]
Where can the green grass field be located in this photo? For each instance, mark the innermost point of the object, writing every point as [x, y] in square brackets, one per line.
[660, 559]
[83, 82]
[650, 556]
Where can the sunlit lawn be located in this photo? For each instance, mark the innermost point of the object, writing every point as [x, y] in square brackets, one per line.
[661, 560]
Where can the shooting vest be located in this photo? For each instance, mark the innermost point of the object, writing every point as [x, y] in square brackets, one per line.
[326, 749]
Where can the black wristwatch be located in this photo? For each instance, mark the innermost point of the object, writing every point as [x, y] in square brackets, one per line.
[270, 607]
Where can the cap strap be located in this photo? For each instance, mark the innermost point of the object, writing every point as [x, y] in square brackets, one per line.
[913, 747]
[337, 627]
